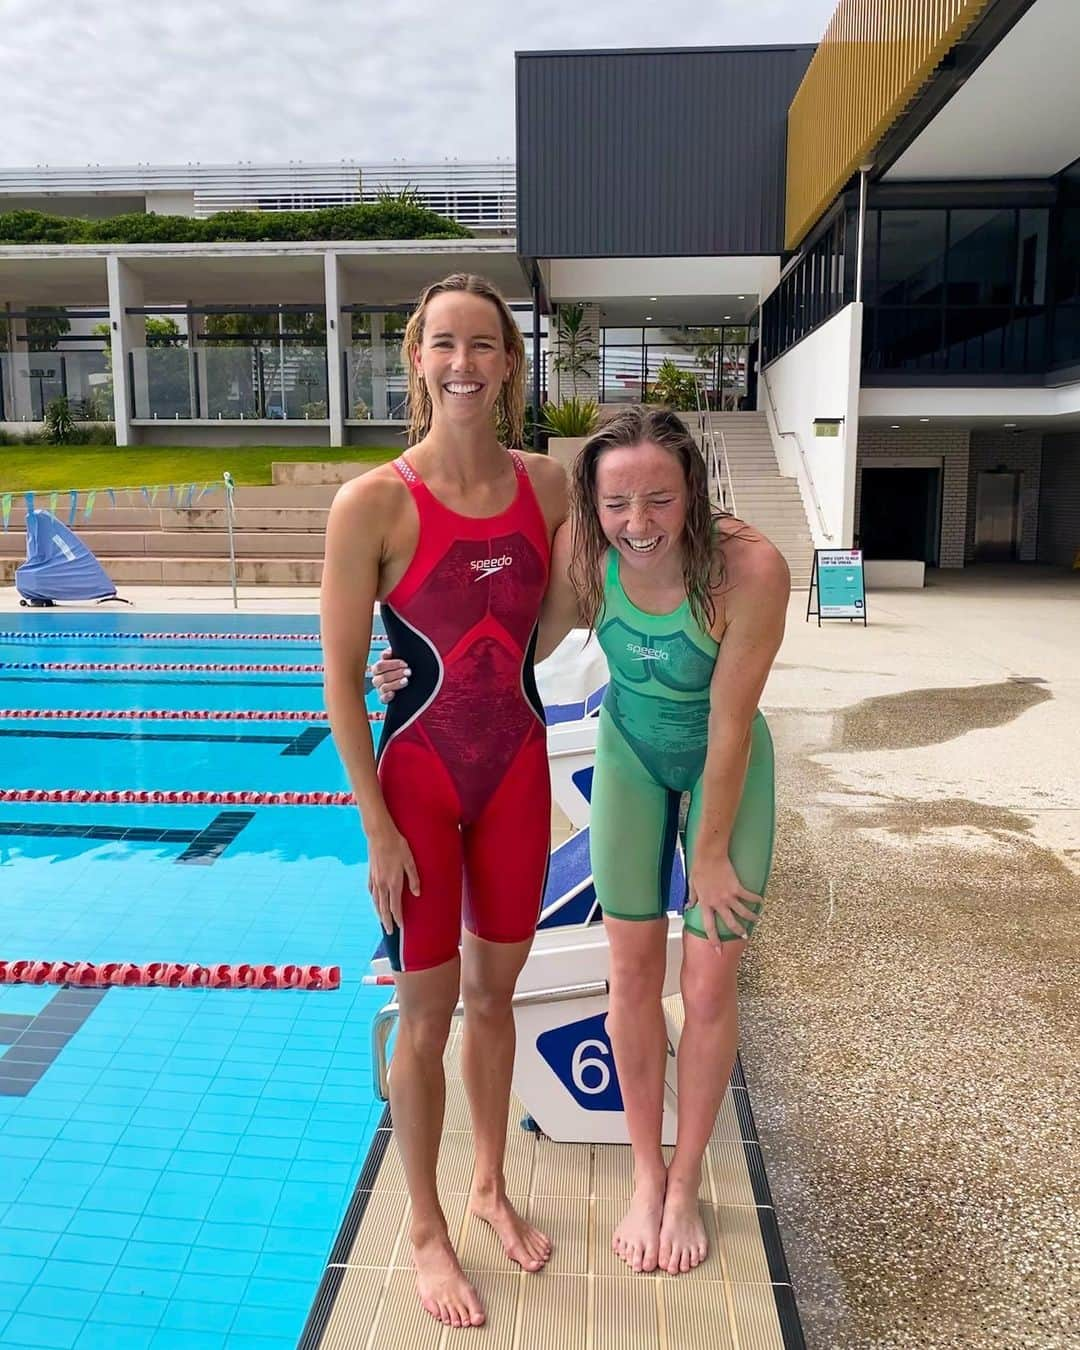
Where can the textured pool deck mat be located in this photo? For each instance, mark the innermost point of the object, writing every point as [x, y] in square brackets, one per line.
[740, 1298]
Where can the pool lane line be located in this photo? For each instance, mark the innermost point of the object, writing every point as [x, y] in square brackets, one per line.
[204, 846]
[169, 975]
[302, 743]
[64, 634]
[172, 797]
[172, 715]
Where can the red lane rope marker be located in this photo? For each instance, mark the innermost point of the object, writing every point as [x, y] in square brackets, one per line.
[169, 975]
[171, 715]
[63, 634]
[173, 797]
[186, 666]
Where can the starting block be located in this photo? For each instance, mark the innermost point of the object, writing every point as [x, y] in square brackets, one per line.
[564, 1070]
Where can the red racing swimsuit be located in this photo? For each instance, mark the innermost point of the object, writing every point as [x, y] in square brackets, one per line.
[463, 753]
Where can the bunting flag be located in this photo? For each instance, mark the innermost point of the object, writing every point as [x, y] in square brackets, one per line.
[180, 495]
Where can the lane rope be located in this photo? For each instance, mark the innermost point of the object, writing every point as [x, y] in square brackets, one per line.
[173, 797]
[171, 715]
[63, 635]
[169, 975]
[184, 666]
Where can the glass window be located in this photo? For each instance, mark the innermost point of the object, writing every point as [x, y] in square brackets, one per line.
[982, 254]
[1067, 278]
[910, 256]
[1031, 253]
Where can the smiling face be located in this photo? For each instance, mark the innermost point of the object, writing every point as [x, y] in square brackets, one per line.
[641, 504]
[462, 356]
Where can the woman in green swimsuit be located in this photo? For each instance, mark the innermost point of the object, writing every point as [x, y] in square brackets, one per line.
[689, 609]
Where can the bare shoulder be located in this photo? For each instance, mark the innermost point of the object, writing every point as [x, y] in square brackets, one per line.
[755, 571]
[548, 478]
[366, 509]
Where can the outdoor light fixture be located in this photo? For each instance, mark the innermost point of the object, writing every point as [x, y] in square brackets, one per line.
[895, 426]
[924, 419]
[827, 426]
[652, 297]
[1010, 424]
[648, 318]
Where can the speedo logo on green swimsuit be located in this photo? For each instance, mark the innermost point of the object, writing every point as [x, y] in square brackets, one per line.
[647, 653]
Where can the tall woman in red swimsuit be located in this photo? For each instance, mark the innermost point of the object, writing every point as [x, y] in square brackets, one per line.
[454, 540]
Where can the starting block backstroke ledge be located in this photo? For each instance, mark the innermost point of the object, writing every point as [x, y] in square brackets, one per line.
[564, 1071]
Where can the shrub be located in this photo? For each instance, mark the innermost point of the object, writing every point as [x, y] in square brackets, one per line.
[59, 423]
[676, 388]
[571, 417]
[390, 218]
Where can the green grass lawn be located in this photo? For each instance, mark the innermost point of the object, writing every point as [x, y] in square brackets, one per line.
[34, 468]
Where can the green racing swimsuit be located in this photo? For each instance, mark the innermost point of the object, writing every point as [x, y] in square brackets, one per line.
[650, 750]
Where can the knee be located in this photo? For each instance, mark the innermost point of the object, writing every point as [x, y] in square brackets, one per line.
[425, 1032]
[709, 997]
[487, 1003]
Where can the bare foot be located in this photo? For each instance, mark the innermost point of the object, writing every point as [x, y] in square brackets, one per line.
[637, 1238]
[444, 1291]
[521, 1241]
[683, 1244]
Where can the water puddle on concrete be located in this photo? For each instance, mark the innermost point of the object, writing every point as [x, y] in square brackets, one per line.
[909, 1032]
[930, 716]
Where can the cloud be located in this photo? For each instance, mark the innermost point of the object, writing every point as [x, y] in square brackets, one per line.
[269, 80]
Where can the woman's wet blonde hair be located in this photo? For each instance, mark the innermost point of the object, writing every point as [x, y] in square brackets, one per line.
[510, 409]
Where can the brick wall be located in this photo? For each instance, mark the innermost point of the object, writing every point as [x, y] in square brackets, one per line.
[1021, 452]
[1059, 501]
[949, 447]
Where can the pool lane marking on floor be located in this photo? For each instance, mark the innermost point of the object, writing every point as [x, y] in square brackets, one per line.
[204, 846]
[305, 743]
[40, 1037]
[218, 667]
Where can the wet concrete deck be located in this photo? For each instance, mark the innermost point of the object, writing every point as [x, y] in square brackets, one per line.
[909, 1006]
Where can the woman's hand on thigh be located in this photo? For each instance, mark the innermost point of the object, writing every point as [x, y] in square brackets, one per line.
[390, 867]
[719, 895]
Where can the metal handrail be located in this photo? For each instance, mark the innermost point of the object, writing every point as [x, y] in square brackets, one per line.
[723, 491]
[807, 475]
[729, 503]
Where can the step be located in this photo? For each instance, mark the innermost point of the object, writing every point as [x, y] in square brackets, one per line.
[196, 543]
[309, 473]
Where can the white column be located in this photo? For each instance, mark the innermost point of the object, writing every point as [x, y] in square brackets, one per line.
[17, 398]
[380, 403]
[338, 342]
[128, 334]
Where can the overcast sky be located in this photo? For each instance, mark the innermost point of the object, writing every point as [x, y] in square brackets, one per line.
[172, 81]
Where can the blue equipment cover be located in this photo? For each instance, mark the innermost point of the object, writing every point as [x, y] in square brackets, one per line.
[58, 564]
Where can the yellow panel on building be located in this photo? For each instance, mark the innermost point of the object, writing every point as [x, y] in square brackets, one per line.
[874, 58]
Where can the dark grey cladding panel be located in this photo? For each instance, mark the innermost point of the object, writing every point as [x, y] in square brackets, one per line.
[652, 153]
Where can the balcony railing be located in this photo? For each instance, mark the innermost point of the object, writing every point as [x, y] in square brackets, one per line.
[29, 381]
[280, 381]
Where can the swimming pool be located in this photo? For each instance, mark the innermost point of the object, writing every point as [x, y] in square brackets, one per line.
[174, 1163]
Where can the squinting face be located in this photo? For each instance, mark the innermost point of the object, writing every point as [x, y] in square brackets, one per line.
[462, 356]
[641, 501]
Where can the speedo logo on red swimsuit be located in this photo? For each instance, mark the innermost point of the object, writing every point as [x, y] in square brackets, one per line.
[485, 567]
[647, 653]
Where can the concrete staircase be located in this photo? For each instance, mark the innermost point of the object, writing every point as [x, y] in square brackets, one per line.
[762, 497]
[279, 533]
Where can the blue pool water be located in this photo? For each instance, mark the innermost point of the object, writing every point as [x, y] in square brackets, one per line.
[174, 1164]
